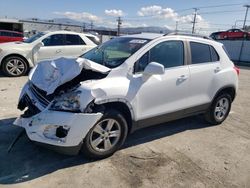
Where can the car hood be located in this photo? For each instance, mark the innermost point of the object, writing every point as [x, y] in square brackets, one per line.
[14, 45]
[49, 75]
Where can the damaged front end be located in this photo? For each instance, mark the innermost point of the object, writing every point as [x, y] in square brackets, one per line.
[57, 115]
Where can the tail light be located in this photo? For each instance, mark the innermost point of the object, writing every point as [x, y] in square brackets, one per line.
[237, 69]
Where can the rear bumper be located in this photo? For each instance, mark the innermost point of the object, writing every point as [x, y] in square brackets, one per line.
[58, 129]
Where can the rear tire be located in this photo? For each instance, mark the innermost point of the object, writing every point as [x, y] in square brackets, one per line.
[106, 136]
[219, 109]
[14, 66]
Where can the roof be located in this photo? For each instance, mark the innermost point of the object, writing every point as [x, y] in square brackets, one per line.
[145, 35]
[7, 20]
[1, 30]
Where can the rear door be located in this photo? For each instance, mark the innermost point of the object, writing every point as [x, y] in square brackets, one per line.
[53, 47]
[204, 66]
[74, 46]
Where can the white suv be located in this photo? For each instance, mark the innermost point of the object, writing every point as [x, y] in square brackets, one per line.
[125, 84]
[17, 57]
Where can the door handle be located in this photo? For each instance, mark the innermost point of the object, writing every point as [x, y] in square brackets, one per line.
[182, 77]
[58, 51]
[217, 69]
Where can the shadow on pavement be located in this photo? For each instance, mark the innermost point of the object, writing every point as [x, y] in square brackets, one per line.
[27, 161]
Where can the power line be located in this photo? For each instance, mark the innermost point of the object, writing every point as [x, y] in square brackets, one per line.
[223, 11]
[216, 6]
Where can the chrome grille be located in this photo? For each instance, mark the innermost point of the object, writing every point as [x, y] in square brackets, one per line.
[40, 95]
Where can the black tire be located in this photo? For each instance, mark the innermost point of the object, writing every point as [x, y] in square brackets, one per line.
[20, 69]
[90, 152]
[210, 115]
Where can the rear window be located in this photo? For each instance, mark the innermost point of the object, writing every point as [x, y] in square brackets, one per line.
[73, 40]
[203, 53]
[17, 35]
[6, 34]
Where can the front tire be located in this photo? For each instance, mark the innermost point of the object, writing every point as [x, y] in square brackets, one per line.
[106, 137]
[219, 109]
[14, 66]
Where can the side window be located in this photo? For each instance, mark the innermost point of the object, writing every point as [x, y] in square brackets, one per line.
[74, 40]
[169, 54]
[54, 40]
[17, 35]
[200, 53]
[6, 34]
[141, 64]
[214, 54]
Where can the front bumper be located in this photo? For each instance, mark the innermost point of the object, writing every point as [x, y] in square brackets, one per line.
[77, 124]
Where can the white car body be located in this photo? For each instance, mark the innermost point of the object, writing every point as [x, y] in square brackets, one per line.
[169, 94]
[35, 51]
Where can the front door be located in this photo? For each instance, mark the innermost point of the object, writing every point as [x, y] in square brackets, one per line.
[159, 95]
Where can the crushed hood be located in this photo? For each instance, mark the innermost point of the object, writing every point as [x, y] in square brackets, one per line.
[50, 74]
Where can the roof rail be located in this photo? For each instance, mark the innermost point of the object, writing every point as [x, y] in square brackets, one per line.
[189, 34]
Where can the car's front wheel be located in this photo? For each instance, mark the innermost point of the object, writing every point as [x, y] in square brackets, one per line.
[107, 136]
[14, 66]
[219, 109]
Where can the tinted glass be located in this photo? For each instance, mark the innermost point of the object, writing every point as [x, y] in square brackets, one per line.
[7, 34]
[74, 40]
[54, 40]
[17, 35]
[214, 54]
[169, 54]
[142, 63]
[200, 53]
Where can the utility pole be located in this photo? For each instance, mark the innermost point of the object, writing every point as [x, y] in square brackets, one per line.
[119, 23]
[194, 22]
[91, 25]
[176, 27]
[244, 24]
[83, 27]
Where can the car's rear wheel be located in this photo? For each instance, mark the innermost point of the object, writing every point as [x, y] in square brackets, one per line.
[14, 66]
[219, 109]
[107, 136]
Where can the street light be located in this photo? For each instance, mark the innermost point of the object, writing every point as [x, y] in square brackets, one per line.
[244, 24]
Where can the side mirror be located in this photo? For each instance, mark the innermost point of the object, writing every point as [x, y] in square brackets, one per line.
[40, 44]
[154, 68]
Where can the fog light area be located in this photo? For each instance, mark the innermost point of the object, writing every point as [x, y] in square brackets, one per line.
[56, 132]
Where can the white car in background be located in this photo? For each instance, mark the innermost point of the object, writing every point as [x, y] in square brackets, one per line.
[16, 58]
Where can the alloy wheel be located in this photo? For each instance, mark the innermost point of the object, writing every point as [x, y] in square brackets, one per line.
[15, 67]
[105, 135]
[221, 108]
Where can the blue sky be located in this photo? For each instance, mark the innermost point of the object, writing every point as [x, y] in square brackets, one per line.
[133, 12]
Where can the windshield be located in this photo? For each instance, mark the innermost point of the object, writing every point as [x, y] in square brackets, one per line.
[34, 37]
[115, 51]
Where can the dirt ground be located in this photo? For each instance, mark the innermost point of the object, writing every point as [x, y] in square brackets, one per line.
[183, 153]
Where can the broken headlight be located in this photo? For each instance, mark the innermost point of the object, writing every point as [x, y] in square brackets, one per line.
[67, 102]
